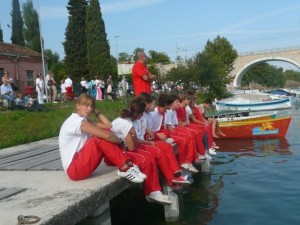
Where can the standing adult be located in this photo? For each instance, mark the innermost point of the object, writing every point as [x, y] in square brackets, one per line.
[141, 75]
[53, 87]
[39, 85]
[69, 89]
[102, 87]
[98, 89]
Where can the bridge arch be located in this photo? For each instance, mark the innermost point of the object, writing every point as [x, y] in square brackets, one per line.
[246, 61]
[239, 76]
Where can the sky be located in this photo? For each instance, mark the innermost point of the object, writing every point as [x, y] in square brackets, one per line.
[176, 27]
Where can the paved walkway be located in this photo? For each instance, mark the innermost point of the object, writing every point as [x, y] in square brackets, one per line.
[33, 183]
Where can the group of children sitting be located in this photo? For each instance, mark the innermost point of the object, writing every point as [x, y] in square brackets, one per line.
[139, 141]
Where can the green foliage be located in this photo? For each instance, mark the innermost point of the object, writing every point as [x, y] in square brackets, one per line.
[53, 57]
[59, 70]
[17, 24]
[31, 27]
[265, 75]
[209, 68]
[158, 57]
[98, 50]
[291, 75]
[124, 57]
[33, 126]
[75, 41]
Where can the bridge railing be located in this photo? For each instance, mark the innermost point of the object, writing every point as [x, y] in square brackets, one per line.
[269, 51]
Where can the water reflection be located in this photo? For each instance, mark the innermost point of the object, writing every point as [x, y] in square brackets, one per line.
[202, 199]
[278, 145]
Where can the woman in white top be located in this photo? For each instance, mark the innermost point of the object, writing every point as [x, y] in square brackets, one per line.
[98, 89]
[83, 144]
[39, 87]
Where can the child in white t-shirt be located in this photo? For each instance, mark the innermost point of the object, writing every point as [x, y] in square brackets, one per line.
[123, 128]
[83, 145]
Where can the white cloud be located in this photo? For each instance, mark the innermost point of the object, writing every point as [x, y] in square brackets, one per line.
[53, 12]
[127, 5]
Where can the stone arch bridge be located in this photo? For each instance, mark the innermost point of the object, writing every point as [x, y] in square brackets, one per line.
[247, 60]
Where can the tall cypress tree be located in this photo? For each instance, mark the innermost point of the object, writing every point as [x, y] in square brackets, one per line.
[1, 34]
[17, 24]
[31, 28]
[98, 50]
[75, 43]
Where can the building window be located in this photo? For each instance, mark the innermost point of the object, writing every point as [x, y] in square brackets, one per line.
[30, 80]
[1, 74]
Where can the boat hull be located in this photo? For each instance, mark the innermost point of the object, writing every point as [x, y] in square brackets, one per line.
[263, 128]
[260, 106]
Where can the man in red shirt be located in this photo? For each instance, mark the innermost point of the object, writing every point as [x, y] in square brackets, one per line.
[141, 76]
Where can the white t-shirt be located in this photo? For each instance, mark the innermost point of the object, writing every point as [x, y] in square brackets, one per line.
[39, 82]
[68, 82]
[84, 83]
[63, 88]
[121, 127]
[71, 139]
[156, 120]
[171, 118]
[189, 112]
[140, 126]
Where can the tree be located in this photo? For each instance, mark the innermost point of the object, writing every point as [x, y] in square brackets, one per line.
[17, 24]
[53, 57]
[158, 57]
[124, 57]
[31, 28]
[1, 34]
[98, 50]
[210, 68]
[75, 42]
[264, 74]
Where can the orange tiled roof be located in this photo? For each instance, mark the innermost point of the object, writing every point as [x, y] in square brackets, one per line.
[11, 49]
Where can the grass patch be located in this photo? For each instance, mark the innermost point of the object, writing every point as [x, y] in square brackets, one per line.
[21, 127]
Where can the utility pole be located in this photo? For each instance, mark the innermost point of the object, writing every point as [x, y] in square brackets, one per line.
[42, 51]
[117, 53]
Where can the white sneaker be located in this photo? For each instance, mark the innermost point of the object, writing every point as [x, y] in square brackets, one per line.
[202, 157]
[158, 197]
[208, 157]
[169, 140]
[131, 175]
[192, 169]
[137, 170]
[212, 151]
[189, 167]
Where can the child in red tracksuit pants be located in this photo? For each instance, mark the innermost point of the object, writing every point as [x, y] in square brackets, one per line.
[186, 154]
[123, 128]
[198, 133]
[83, 145]
[157, 147]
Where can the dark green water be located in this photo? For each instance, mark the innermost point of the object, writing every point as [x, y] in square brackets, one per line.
[255, 182]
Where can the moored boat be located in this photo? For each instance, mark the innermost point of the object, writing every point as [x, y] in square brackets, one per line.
[257, 128]
[244, 118]
[257, 106]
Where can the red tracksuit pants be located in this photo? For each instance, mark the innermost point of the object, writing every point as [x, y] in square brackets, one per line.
[86, 161]
[165, 159]
[186, 146]
[197, 135]
[185, 155]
